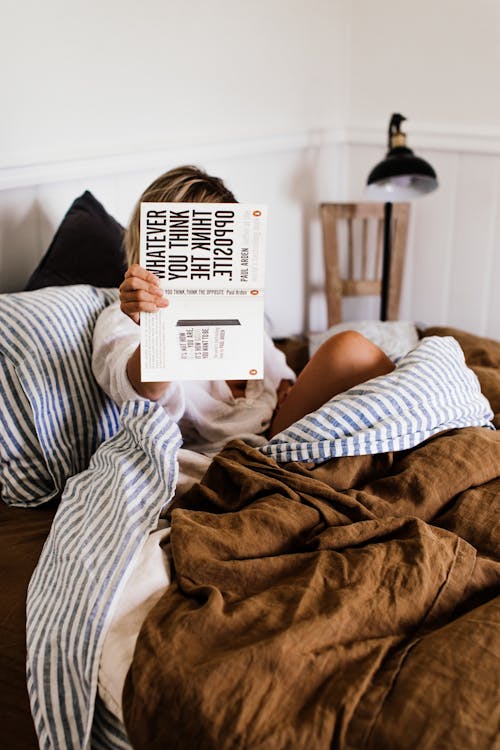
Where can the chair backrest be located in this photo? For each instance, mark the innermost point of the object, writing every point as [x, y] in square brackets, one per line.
[353, 238]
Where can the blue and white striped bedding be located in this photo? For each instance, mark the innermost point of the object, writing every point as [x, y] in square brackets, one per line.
[107, 511]
[53, 415]
[431, 390]
[104, 517]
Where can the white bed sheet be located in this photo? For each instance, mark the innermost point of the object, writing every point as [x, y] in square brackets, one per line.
[148, 581]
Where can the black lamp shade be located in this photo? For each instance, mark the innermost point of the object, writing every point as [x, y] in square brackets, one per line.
[401, 175]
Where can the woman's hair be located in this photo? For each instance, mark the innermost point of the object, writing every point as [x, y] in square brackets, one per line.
[180, 185]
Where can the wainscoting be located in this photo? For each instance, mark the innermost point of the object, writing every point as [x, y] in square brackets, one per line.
[453, 266]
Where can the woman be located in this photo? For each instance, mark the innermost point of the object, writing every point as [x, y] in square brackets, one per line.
[210, 413]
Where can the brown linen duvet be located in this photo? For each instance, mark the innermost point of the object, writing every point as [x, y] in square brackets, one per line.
[354, 604]
[350, 605]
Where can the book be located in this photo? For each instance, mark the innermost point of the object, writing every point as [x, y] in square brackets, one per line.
[210, 261]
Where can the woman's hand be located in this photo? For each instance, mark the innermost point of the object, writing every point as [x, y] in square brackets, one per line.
[140, 292]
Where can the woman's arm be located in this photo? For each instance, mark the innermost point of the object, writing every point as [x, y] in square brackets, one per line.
[140, 292]
[151, 391]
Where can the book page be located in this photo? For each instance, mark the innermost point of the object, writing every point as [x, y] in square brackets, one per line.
[209, 259]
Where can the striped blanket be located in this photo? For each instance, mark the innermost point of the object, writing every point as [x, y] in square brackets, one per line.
[101, 524]
[107, 511]
[431, 390]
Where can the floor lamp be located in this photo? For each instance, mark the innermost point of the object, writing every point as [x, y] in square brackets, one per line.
[401, 176]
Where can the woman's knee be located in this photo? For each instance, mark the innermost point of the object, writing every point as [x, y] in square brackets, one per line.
[352, 347]
[346, 341]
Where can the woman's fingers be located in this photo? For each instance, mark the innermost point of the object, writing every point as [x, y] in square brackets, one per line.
[141, 302]
[142, 295]
[140, 292]
[134, 283]
[136, 277]
[137, 271]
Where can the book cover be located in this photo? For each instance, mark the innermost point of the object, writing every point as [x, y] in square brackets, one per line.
[209, 259]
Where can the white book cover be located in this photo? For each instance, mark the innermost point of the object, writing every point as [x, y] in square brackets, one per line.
[210, 261]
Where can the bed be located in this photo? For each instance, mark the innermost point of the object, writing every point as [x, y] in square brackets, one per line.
[316, 598]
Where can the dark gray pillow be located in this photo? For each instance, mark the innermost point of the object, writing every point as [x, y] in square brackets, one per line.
[87, 249]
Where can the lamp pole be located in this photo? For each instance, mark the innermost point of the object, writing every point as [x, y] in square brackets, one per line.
[386, 261]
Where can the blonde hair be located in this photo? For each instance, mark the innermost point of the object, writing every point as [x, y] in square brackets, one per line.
[185, 184]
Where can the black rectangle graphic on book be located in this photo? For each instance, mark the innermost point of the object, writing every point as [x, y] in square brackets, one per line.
[188, 323]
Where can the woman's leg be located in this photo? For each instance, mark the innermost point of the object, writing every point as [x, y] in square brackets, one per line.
[342, 361]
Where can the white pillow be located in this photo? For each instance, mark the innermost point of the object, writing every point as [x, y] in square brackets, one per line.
[394, 337]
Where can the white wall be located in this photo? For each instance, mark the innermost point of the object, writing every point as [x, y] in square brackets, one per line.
[96, 78]
[438, 63]
[288, 101]
[107, 95]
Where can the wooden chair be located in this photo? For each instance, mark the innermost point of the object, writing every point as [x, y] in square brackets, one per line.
[353, 236]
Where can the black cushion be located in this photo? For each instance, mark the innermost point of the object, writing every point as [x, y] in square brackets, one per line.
[87, 249]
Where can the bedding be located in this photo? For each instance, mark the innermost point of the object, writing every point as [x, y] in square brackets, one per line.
[103, 517]
[380, 499]
[313, 565]
[22, 535]
[430, 390]
[399, 416]
[53, 415]
[87, 249]
[394, 337]
[348, 604]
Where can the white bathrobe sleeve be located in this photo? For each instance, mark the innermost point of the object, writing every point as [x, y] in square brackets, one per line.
[116, 337]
